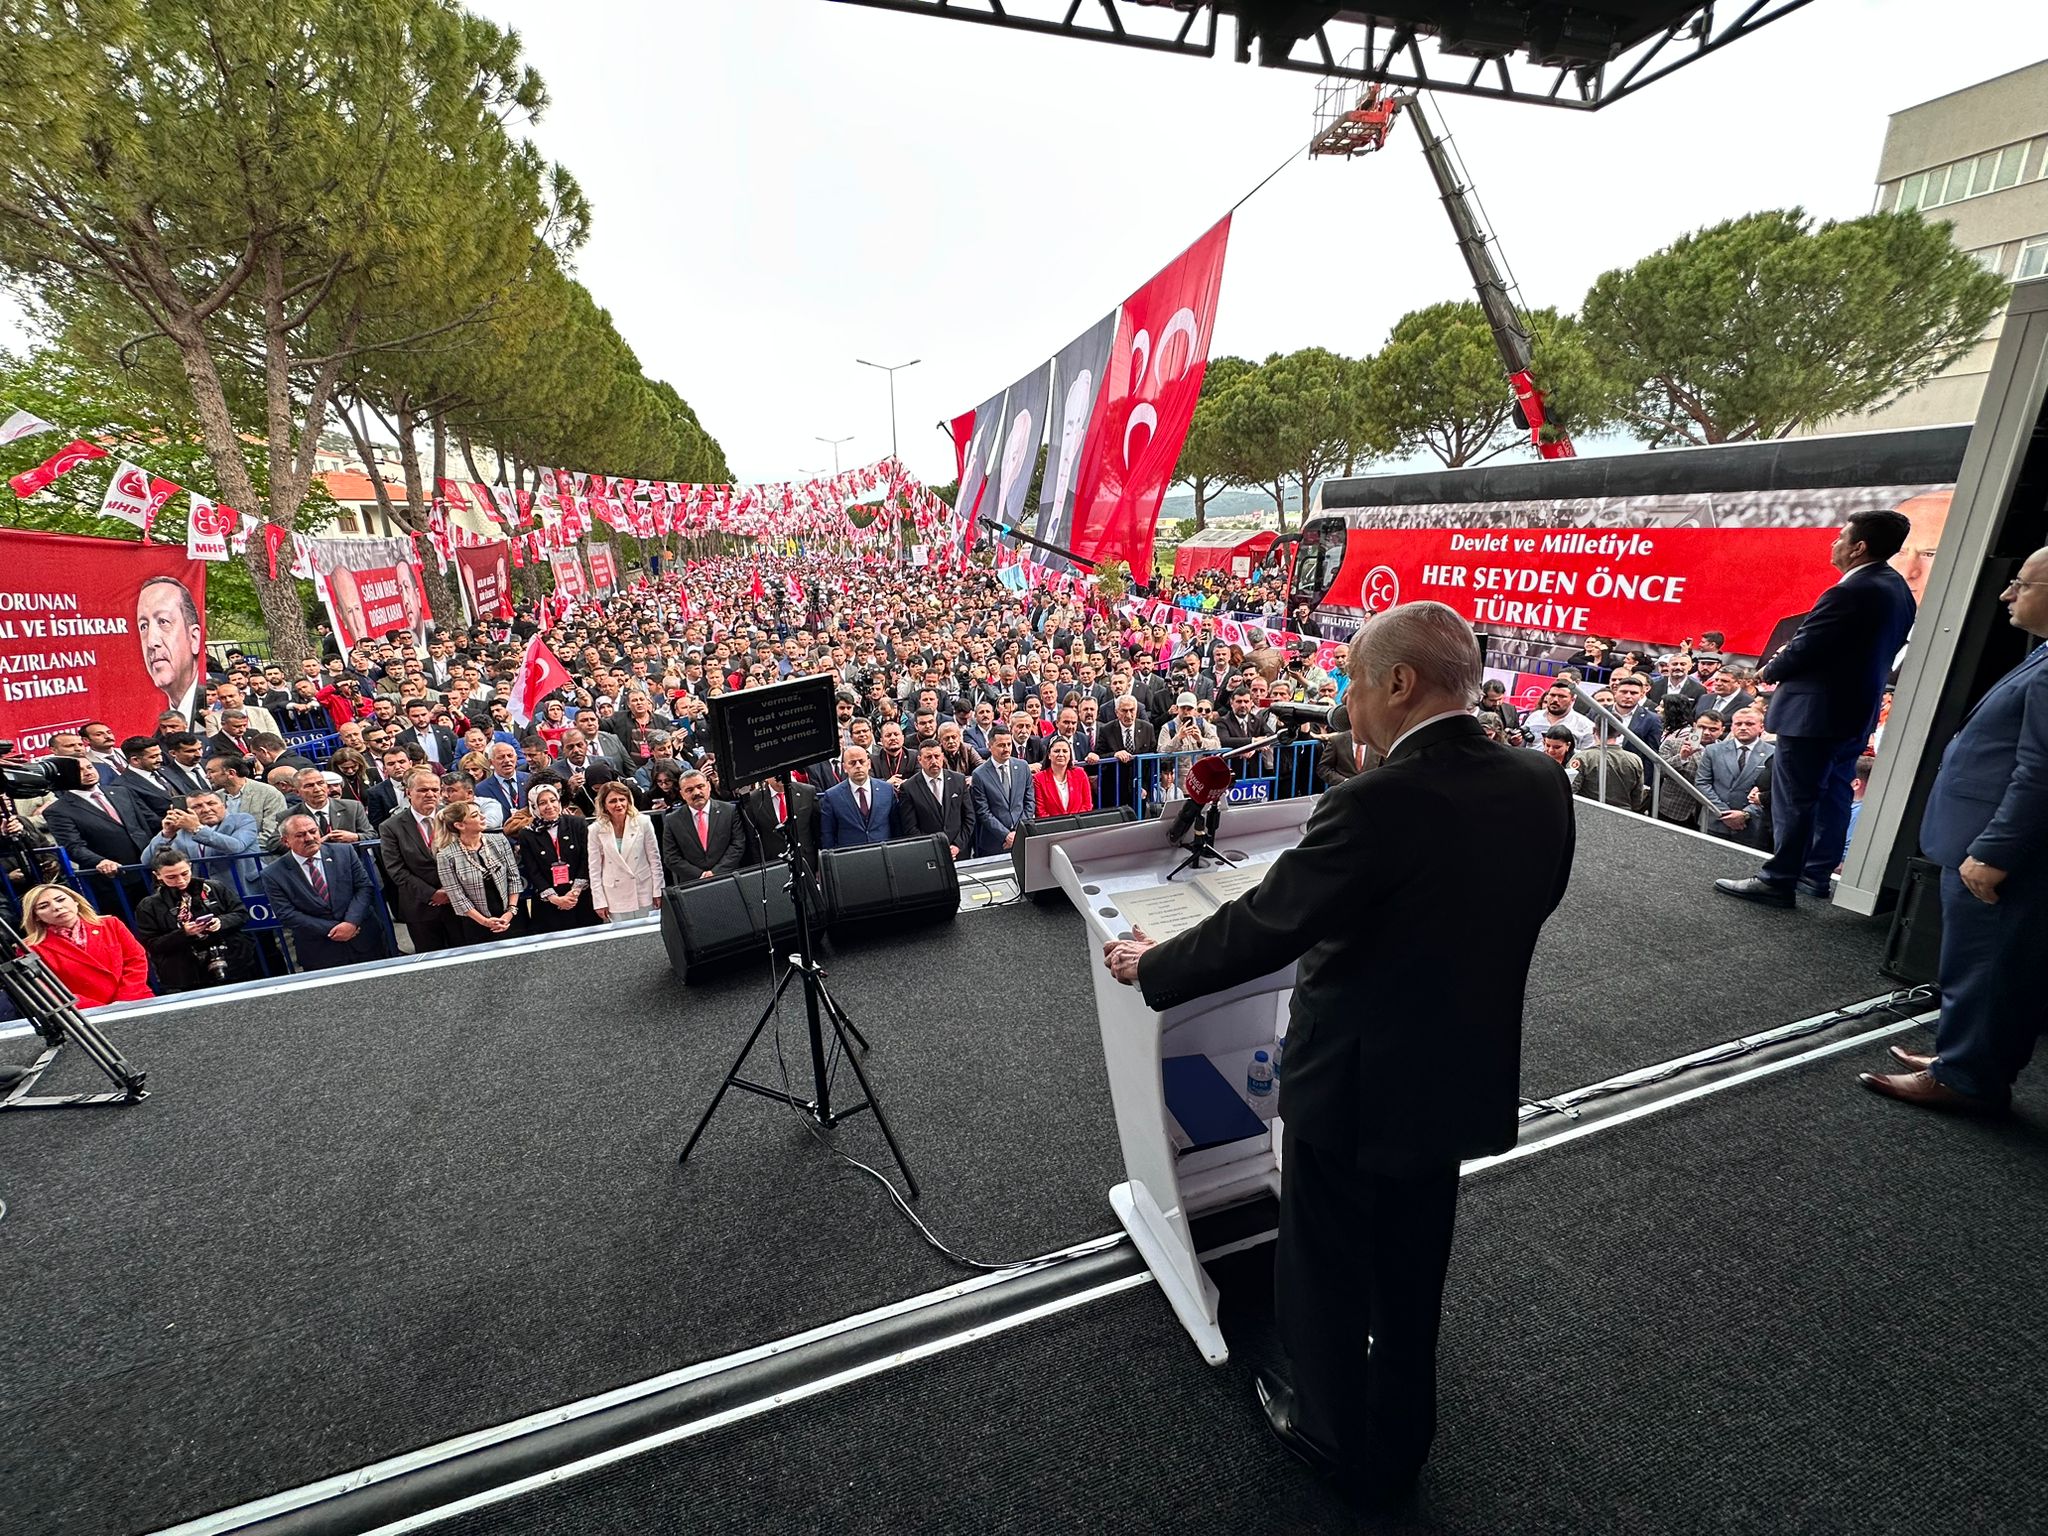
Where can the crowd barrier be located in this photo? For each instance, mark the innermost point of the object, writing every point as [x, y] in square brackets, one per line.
[1280, 771]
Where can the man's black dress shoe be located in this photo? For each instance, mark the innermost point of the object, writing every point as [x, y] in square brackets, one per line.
[1765, 892]
[1277, 1399]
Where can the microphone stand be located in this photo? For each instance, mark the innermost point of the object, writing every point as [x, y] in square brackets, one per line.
[52, 1012]
[1204, 845]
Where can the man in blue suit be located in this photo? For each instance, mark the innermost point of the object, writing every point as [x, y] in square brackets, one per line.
[859, 808]
[1830, 677]
[505, 783]
[1986, 824]
[323, 895]
[1003, 800]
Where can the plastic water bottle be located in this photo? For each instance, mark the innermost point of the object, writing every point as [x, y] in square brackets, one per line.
[1259, 1081]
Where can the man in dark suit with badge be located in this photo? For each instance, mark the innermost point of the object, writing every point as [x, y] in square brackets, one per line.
[1986, 825]
[1830, 679]
[1402, 1056]
[937, 799]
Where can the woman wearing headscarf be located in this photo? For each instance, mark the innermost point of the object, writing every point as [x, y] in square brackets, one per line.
[555, 859]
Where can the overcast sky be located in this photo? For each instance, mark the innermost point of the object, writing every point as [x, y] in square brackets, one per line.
[781, 186]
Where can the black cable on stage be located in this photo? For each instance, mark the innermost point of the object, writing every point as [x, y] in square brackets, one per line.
[952, 1255]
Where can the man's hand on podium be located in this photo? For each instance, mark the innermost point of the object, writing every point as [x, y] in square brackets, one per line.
[1121, 955]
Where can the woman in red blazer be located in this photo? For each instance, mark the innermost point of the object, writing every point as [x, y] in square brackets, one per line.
[96, 957]
[1060, 788]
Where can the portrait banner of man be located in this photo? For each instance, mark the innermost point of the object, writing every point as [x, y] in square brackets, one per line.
[97, 629]
[369, 588]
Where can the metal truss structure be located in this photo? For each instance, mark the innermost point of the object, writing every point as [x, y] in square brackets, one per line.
[1581, 55]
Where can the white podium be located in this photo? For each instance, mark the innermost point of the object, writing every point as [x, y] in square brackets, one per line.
[1170, 1180]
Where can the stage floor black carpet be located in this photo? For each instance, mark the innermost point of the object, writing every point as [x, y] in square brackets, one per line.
[1787, 1307]
[367, 1218]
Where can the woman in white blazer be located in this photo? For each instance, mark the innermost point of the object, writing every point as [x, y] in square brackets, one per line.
[625, 860]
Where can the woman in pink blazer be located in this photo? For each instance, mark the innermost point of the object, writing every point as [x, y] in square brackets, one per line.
[625, 860]
[96, 957]
[1060, 788]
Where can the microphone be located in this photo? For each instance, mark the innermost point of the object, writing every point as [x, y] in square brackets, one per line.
[1209, 782]
[1331, 717]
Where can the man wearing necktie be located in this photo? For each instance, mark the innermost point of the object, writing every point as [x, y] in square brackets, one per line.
[324, 900]
[1129, 739]
[1003, 799]
[405, 852]
[860, 808]
[775, 810]
[1986, 825]
[937, 801]
[702, 837]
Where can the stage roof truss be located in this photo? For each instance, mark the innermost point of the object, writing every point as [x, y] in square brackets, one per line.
[1582, 55]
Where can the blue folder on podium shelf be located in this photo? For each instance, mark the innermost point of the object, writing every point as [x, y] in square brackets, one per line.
[1209, 1112]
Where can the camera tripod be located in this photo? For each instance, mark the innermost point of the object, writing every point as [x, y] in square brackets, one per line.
[819, 1008]
[50, 1009]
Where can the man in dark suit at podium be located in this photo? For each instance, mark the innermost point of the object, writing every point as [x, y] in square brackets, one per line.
[1830, 678]
[1402, 1056]
[1986, 825]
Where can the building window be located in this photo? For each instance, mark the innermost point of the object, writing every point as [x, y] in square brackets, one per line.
[1991, 259]
[345, 521]
[1992, 171]
[2033, 260]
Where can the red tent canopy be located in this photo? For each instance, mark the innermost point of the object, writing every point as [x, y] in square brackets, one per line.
[1217, 548]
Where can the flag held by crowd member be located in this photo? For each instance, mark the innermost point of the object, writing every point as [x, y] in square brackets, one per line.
[540, 674]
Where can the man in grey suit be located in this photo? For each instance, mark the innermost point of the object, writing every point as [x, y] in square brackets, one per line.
[1003, 800]
[1986, 825]
[235, 778]
[1728, 771]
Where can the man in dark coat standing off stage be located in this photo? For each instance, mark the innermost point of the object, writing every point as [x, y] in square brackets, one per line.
[1402, 1056]
[1830, 676]
[1986, 825]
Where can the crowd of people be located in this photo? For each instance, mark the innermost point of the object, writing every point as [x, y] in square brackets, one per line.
[966, 709]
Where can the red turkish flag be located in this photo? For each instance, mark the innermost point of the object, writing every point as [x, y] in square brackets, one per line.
[1146, 401]
[74, 453]
[757, 591]
[540, 674]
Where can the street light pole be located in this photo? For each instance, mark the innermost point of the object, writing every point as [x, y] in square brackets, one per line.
[891, 369]
[835, 442]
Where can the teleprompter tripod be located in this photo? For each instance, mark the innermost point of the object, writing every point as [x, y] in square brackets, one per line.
[819, 1008]
[51, 1010]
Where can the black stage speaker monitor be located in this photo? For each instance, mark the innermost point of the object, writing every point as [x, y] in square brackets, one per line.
[911, 879]
[1038, 885]
[1912, 951]
[709, 924]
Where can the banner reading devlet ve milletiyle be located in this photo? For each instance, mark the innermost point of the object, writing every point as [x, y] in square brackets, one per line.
[97, 629]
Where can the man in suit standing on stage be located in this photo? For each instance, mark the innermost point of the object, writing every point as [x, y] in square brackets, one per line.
[1378, 1110]
[1003, 800]
[703, 837]
[936, 799]
[775, 804]
[323, 895]
[1986, 824]
[1830, 680]
[860, 808]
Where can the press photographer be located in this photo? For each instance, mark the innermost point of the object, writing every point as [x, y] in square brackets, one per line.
[192, 928]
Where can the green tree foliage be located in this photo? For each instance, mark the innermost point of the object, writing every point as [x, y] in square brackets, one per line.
[275, 205]
[128, 417]
[1763, 324]
[1300, 416]
[1204, 466]
[1438, 383]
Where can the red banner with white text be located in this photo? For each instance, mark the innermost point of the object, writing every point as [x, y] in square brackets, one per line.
[604, 569]
[1659, 586]
[97, 629]
[1147, 400]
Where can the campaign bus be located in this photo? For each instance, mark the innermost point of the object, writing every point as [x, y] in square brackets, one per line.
[1646, 549]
